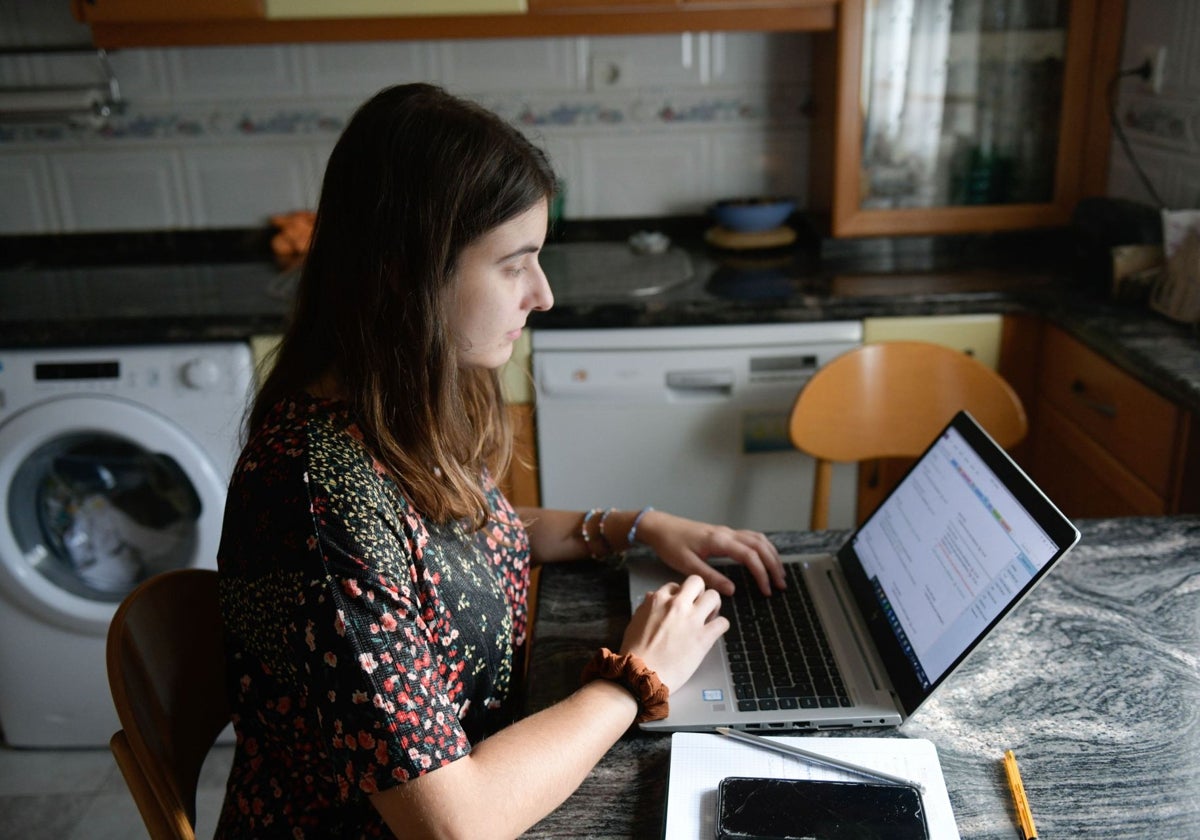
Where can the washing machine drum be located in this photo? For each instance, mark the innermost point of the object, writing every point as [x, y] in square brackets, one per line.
[98, 495]
[107, 514]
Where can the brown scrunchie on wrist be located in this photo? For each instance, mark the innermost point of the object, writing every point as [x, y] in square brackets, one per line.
[629, 671]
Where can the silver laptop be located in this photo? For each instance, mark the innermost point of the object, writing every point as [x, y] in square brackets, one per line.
[962, 538]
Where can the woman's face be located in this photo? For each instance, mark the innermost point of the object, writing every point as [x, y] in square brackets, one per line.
[497, 284]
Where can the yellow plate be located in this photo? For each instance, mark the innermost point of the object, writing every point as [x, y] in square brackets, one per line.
[749, 240]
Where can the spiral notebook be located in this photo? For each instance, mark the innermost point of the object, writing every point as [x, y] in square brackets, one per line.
[699, 761]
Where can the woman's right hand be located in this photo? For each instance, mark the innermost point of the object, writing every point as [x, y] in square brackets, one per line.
[673, 629]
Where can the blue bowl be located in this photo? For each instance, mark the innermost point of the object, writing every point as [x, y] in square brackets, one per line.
[752, 214]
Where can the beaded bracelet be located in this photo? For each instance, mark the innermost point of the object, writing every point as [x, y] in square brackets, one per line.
[604, 518]
[602, 535]
[583, 532]
[637, 520]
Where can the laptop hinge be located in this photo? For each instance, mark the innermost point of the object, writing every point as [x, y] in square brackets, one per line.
[858, 633]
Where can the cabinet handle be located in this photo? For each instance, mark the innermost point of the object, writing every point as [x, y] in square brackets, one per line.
[1080, 392]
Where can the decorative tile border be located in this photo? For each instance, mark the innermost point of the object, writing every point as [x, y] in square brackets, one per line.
[569, 114]
[178, 125]
[781, 106]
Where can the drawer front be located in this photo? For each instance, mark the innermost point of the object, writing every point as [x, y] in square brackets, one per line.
[1079, 476]
[1134, 424]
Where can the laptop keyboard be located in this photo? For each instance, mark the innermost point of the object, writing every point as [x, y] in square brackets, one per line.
[777, 649]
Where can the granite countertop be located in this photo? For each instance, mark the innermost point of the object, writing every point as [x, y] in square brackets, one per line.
[1093, 680]
[82, 306]
[215, 292]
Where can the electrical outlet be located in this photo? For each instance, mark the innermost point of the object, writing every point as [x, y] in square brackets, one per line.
[609, 71]
[1156, 57]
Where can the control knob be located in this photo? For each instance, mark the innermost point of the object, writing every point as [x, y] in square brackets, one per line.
[201, 374]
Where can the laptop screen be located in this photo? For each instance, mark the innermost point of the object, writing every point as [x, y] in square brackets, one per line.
[962, 537]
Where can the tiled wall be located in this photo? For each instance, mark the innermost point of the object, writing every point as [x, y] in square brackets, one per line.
[224, 137]
[1163, 130]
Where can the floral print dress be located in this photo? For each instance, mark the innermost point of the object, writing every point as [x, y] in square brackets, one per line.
[365, 645]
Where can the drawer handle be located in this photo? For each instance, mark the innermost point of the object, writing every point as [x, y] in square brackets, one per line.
[1080, 392]
[717, 383]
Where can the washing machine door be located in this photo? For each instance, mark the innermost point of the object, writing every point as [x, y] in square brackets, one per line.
[98, 493]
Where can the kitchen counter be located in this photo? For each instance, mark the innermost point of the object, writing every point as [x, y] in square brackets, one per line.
[205, 299]
[1162, 353]
[162, 303]
[1093, 681]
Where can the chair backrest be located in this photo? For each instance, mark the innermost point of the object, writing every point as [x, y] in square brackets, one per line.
[889, 400]
[166, 671]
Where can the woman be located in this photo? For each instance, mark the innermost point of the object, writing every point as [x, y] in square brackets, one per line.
[374, 578]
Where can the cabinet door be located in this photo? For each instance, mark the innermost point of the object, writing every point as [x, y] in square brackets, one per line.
[661, 5]
[92, 11]
[976, 335]
[342, 9]
[963, 115]
[598, 5]
[118, 24]
[1136, 426]
[1082, 477]
[1103, 444]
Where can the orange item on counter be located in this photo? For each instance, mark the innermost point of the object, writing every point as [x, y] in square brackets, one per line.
[290, 244]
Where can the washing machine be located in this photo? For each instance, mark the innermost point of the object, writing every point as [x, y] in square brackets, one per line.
[114, 464]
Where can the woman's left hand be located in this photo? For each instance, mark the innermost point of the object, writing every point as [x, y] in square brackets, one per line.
[686, 545]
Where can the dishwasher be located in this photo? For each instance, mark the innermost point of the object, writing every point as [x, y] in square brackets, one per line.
[690, 420]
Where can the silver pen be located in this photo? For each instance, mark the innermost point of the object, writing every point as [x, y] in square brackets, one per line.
[817, 758]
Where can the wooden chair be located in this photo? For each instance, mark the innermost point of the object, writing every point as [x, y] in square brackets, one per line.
[889, 400]
[166, 670]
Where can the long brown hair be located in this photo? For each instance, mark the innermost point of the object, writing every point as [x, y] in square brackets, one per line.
[416, 176]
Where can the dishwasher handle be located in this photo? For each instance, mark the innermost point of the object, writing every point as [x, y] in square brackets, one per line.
[700, 383]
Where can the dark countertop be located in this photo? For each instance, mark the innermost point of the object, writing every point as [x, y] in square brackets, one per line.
[215, 292]
[1093, 681]
[82, 306]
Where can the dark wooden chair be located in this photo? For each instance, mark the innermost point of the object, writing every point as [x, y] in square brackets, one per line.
[166, 670]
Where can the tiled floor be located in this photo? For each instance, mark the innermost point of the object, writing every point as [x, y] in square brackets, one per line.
[80, 795]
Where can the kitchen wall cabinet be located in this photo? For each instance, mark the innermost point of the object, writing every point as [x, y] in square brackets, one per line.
[973, 120]
[146, 23]
[147, 11]
[306, 9]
